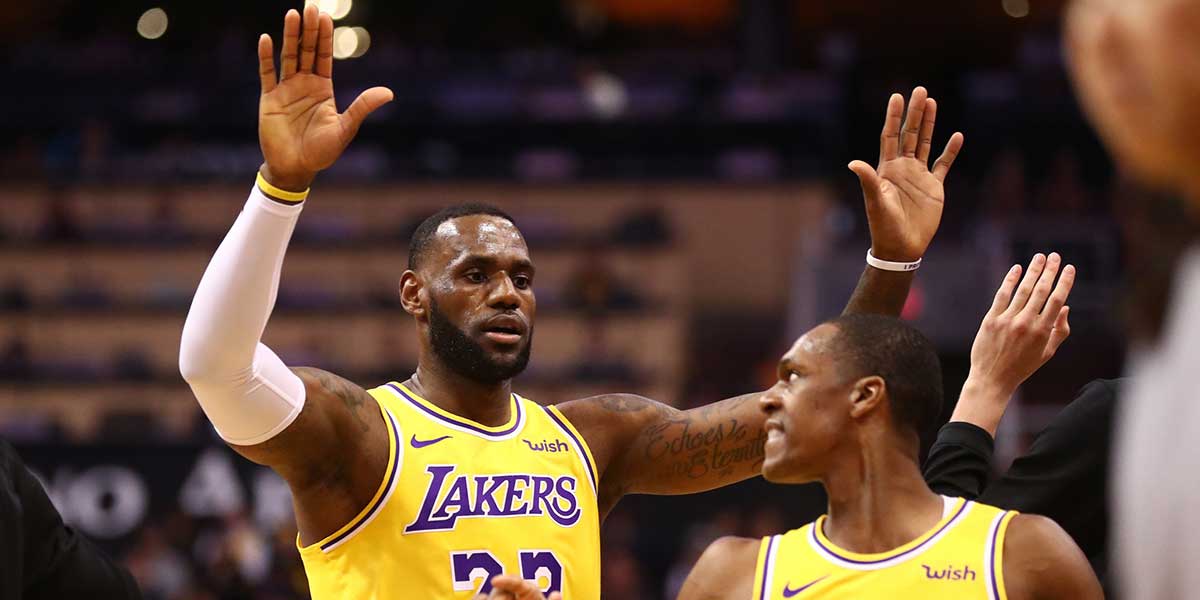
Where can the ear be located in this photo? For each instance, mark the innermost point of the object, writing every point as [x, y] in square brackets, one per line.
[867, 396]
[411, 297]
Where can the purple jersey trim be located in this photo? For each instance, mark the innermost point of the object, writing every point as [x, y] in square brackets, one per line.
[579, 443]
[462, 423]
[992, 559]
[768, 562]
[816, 538]
[383, 496]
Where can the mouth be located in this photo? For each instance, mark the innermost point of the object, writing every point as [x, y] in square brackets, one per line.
[505, 329]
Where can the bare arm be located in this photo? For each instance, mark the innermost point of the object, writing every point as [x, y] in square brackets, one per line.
[338, 417]
[725, 570]
[642, 446]
[1042, 562]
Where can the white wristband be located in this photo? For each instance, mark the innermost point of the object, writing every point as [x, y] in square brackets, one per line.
[887, 265]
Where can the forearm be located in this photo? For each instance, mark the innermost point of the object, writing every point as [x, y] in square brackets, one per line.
[245, 389]
[981, 404]
[879, 292]
[700, 449]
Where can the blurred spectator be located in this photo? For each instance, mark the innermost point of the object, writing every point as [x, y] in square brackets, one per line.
[15, 363]
[642, 227]
[599, 363]
[84, 290]
[1063, 192]
[1004, 189]
[14, 295]
[593, 287]
[60, 224]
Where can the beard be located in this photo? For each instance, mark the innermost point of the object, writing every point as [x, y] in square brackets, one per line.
[467, 357]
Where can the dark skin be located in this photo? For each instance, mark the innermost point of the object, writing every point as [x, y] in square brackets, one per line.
[334, 455]
[826, 426]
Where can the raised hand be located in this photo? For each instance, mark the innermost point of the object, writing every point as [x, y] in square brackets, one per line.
[508, 587]
[904, 197]
[1021, 332]
[299, 128]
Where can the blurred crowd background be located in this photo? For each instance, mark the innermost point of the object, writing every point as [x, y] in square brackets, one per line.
[678, 168]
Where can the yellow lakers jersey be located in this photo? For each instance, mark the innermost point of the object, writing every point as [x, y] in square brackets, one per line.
[960, 558]
[462, 502]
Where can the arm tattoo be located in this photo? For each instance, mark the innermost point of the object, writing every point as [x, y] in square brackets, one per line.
[711, 442]
[350, 394]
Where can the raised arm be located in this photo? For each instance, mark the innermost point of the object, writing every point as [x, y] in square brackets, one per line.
[1020, 332]
[642, 446]
[272, 415]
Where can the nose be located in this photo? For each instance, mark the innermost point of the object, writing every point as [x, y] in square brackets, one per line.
[504, 294]
[770, 400]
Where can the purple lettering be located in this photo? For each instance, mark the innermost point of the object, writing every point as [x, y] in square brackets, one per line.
[566, 491]
[423, 521]
[514, 494]
[542, 487]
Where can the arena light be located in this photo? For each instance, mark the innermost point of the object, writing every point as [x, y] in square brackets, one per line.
[1016, 8]
[338, 9]
[345, 42]
[363, 41]
[152, 24]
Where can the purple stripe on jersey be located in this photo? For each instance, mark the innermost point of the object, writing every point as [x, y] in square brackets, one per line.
[463, 424]
[768, 562]
[816, 538]
[383, 496]
[992, 559]
[578, 442]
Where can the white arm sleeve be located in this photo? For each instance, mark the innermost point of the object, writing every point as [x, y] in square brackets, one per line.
[246, 391]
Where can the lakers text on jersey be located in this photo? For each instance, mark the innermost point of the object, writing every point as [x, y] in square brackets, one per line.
[960, 558]
[462, 502]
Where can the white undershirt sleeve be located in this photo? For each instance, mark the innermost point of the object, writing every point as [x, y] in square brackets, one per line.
[246, 391]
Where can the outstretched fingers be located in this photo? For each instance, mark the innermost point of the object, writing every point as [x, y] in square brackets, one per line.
[325, 46]
[308, 39]
[1058, 300]
[942, 167]
[910, 132]
[289, 57]
[1005, 293]
[1044, 285]
[1060, 332]
[889, 140]
[266, 63]
[1021, 297]
[364, 105]
[925, 144]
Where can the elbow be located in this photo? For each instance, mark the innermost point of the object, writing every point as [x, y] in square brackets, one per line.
[202, 361]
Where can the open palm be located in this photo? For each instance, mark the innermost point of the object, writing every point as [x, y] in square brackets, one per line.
[299, 127]
[904, 197]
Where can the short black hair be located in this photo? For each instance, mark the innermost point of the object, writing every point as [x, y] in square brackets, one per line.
[906, 360]
[421, 238]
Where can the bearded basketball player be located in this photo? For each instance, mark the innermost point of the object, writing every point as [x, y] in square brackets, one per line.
[425, 488]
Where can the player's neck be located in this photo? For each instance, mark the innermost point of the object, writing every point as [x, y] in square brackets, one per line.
[878, 501]
[486, 404]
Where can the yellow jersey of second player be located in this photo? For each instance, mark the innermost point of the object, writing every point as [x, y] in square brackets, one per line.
[960, 558]
[462, 502]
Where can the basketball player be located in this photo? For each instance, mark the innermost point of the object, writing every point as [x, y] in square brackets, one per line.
[853, 396]
[1136, 66]
[431, 487]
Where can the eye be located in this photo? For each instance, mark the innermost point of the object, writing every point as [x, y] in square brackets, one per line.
[793, 377]
[476, 277]
[522, 282]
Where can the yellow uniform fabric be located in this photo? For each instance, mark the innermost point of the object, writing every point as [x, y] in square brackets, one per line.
[462, 502]
[960, 558]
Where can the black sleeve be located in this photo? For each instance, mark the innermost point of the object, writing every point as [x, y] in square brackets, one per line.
[59, 563]
[960, 460]
[1064, 475]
